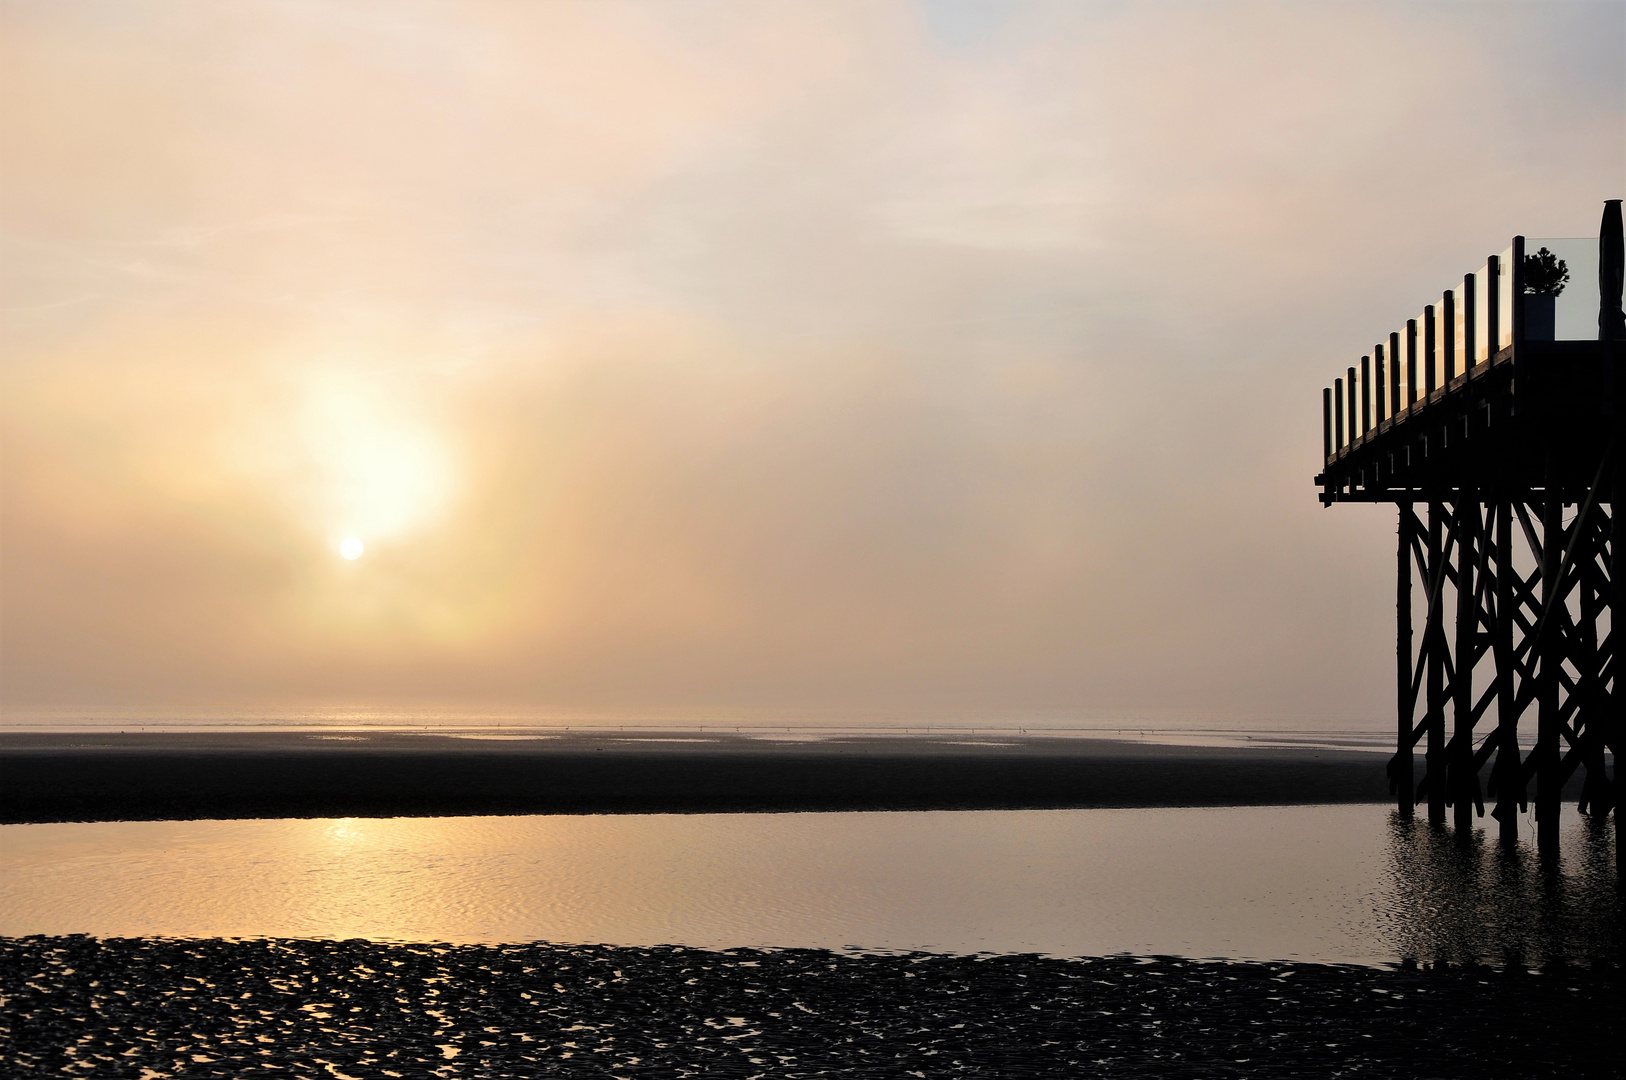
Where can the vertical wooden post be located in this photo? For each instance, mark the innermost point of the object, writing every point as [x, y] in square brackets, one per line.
[1507, 769]
[1448, 317]
[1493, 305]
[1551, 655]
[1326, 425]
[1338, 413]
[1430, 349]
[1470, 301]
[1461, 769]
[1405, 706]
[1433, 647]
[1411, 361]
[1366, 394]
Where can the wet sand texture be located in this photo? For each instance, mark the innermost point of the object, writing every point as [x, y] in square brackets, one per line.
[118, 1008]
[177, 777]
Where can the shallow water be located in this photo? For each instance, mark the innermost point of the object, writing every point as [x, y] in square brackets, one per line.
[1326, 883]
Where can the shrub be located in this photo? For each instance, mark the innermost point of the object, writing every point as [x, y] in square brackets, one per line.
[1545, 273]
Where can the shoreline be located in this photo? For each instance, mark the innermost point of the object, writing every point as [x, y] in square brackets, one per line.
[57, 777]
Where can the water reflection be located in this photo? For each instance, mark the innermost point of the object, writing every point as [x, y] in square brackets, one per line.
[1346, 884]
[1472, 899]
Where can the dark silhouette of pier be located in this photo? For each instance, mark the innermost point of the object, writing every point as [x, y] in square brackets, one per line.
[1493, 421]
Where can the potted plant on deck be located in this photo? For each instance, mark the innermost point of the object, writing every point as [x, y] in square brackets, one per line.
[1544, 277]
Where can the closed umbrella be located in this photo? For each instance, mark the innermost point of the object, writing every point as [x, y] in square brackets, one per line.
[1611, 267]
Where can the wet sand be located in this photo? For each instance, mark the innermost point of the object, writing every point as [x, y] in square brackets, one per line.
[208, 1008]
[171, 776]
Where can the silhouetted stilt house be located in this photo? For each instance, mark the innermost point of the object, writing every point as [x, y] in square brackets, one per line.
[1493, 421]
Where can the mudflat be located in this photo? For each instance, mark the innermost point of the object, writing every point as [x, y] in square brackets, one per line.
[205, 1008]
[180, 776]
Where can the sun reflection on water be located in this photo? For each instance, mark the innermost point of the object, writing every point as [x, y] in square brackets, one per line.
[1332, 883]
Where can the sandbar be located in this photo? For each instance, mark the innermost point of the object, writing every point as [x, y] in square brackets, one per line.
[183, 776]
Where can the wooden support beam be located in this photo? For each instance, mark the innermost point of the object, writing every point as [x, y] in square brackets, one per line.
[1591, 705]
[1563, 580]
[1401, 780]
[1616, 721]
[1464, 783]
[1530, 538]
[1417, 683]
[1505, 783]
[1573, 758]
[1434, 635]
[1549, 656]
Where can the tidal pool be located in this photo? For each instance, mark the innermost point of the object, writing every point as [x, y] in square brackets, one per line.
[1346, 883]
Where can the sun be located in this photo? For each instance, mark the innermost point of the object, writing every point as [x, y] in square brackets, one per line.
[351, 548]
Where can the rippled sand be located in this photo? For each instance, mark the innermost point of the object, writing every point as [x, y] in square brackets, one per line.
[167, 1008]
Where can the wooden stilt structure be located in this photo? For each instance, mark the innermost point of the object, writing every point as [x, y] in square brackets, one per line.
[1511, 445]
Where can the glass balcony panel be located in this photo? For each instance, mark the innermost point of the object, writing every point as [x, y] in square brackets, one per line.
[1442, 335]
[1482, 287]
[1460, 344]
[1504, 301]
[1352, 406]
[1428, 368]
[1570, 314]
[1382, 384]
[1574, 311]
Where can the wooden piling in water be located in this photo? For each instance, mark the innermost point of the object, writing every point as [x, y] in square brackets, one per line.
[1434, 645]
[1461, 784]
[1401, 780]
[1505, 773]
[1549, 658]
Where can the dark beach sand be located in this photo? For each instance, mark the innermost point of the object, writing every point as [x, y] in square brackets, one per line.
[262, 774]
[211, 1008]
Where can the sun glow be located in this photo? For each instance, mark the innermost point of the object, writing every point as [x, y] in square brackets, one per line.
[378, 466]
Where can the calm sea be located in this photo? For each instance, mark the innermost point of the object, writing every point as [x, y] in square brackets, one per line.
[1325, 883]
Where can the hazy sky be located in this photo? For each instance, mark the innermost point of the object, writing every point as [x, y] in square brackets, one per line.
[939, 359]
